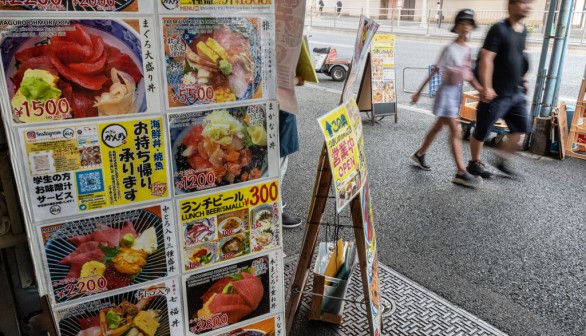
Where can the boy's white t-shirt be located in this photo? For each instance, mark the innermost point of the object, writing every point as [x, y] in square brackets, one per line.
[453, 54]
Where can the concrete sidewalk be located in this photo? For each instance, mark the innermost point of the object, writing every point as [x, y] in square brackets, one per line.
[510, 253]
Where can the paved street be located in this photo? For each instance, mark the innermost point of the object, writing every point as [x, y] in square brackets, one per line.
[420, 54]
[511, 253]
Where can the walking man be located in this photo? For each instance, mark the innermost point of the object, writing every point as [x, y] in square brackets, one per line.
[321, 6]
[339, 8]
[502, 67]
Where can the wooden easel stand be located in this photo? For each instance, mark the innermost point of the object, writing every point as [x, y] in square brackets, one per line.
[317, 208]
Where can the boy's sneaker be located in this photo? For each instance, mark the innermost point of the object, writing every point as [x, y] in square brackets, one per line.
[467, 180]
[291, 222]
[420, 161]
[479, 169]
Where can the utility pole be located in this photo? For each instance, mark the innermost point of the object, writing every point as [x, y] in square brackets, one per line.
[423, 24]
[440, 13]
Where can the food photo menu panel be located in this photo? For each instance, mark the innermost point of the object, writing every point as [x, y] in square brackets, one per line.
[59, 69]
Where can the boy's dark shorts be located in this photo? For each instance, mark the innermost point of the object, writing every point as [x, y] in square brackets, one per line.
[513, 109]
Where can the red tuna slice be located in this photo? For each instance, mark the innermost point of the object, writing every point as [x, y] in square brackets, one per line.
[236, 312]
[69, 52]
[83, 104]
[99, 50]
[251, 290]
[26, 54]
[78, 240]
[66, 91]
[216, 288]
[122, 62]
[222, 300]
[80, 259]
[87, 81]
[108, 236]
[79, 35]
[128, 228]
[82, 248]
[90, 67]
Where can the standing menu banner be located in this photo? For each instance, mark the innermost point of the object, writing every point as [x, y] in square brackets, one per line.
[366, 30]
[383, 78]
[342, 149]
[371, 260]
[167, 187]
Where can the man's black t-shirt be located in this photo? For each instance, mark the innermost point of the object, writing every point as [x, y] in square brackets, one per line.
[510, 63]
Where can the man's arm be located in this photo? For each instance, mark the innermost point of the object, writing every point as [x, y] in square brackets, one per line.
[485, 71]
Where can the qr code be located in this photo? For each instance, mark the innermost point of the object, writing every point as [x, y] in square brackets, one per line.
[42, 163]
[89, 182]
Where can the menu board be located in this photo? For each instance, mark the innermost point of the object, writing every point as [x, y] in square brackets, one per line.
[222, 147]
[229, 224]
[356, 124]
[382, 66]
[382, 57]
[76, 168]
[152, 310]
[82, 6]
[99, 254]
[366, 30]
[215, 59]
[343, 154]
[215, 5]
[57, 69]
[371, 260]
[144, 136]
[229, 297]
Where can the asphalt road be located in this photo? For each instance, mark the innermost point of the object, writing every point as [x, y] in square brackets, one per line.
[420, 54]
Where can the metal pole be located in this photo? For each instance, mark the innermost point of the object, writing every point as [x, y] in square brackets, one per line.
[556, 54]
[583, 25]
[563, 61]
[541, 71]
[428, 16]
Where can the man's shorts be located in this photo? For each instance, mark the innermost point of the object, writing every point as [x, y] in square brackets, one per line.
[513, 109]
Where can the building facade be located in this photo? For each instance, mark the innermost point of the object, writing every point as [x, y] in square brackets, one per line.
[487, 11]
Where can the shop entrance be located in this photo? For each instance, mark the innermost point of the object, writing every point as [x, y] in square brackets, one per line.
[408, 10]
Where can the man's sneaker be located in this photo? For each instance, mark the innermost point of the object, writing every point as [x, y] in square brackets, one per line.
[420, 161]
[506, 167]
[291, 222]
[479, 169]
[467, 180]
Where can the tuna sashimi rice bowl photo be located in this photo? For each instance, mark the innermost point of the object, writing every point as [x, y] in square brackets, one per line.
[91, 68]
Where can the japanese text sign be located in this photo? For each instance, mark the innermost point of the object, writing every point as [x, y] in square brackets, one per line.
[78, 168]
